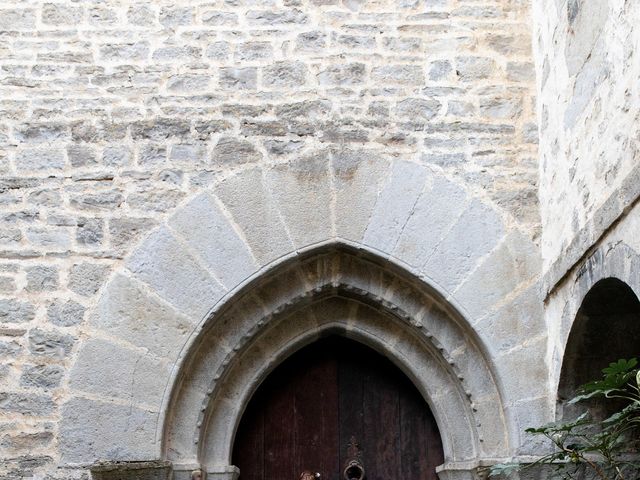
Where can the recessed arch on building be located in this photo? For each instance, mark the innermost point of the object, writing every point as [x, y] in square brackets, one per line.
[606, 328]
[198, 313]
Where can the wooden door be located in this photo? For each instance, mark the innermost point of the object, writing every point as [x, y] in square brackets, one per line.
[305, 413]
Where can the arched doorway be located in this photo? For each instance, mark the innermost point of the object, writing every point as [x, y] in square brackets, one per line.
[328, 402]
[606, 328]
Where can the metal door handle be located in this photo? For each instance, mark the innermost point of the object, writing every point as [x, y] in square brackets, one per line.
[353, 466]
[308, 475]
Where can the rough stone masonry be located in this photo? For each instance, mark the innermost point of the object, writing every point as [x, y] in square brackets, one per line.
[117, 114]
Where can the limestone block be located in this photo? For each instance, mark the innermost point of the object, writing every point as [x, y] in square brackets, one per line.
[93, 429]
[86, 278]
[42, 278]
[211, 234]
[17, 19]
[514, 261]
[345, 74]
[523, 370]
[42, 376]
[395, 205]
[115, 372]
[284, 74]
[513, 323]
[40, 159]
[49, 238]
[530, 413]
[125, 52]
[474, 235]
[125, 310]
[256, 213]
[48, 343]
[239, 78]
[26, 404]
[15, 311]
[437, 209]
[151, 470]
[302, 191]
[163, 263]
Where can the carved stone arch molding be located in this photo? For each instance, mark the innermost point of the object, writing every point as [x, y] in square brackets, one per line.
[269, 258]
[337, 289]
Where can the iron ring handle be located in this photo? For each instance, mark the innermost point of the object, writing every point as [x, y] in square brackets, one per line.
[354, 470]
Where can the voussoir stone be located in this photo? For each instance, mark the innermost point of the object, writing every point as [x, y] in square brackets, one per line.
[248, 201]
[394, 205]
[164, 264]
[206, 228]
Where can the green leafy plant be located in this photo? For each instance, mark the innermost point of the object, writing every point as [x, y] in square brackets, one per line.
[587, 448]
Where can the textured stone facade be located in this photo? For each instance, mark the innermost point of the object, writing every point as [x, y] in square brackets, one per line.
[191, 190]
[589, 101]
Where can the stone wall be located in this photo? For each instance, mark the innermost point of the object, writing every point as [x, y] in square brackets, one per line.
[587, 69]
[113, 113]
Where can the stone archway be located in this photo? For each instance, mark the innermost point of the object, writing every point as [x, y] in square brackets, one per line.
[340, 290]
[456, 284]
[609, 274]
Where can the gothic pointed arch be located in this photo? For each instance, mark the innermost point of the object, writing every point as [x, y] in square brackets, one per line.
[448, 286]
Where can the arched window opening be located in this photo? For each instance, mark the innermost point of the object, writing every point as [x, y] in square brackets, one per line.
[606, 328]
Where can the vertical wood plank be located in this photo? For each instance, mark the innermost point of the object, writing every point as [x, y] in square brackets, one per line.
[316, 414]
[279, 431]
[382, 422]
[250, 438]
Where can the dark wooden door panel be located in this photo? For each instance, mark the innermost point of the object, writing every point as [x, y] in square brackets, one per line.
[308, 409]
[316, 416]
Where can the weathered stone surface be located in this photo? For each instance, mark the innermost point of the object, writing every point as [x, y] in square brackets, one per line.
[474, 68]
[514, 261]
[393, 208]
[251, 207]
[65, 314]
[210, 233]
[117, 115]
[27, 441]
[42, 278]
[42, 376]
[303, 193]
[399, 74]
[477, 232]
[39, 159]
[239, 78]
[125, 231]
[273, 17]
[160, 129]
[418, 108]
[26, 404]
[122, 373]
[15, 311]
[90, 231]
[125, 52]
[86, 278]
[231, 151]
[128, 312]
[48, 343]
[81, 156]
[358, 176]
[284, 74]
[41, 132]
[17, 19]
[106, 200]
[434, 212]
[347, 74]
[162, 263]
[93, 429]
